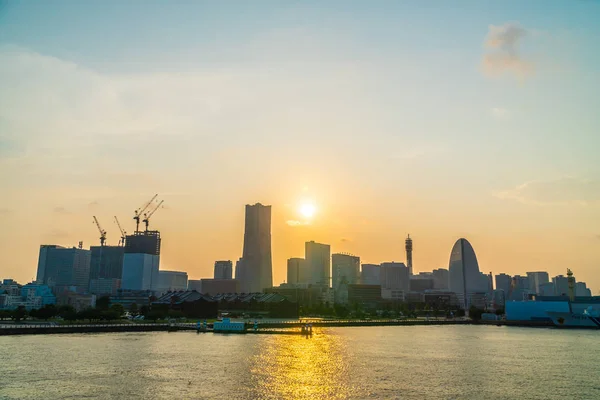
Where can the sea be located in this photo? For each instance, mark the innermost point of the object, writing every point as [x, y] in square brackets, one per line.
[395, 362]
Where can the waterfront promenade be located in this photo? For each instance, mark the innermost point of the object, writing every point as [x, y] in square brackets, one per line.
[32, 329]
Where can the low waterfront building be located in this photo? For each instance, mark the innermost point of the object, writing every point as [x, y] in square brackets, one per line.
[216, 286]
[365, 295]
[31, 296]
[77, 300]
[271, 305]
[191, 303]
[302, 294]
[127, 297]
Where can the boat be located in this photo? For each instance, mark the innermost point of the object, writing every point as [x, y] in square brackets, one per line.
[589, 318]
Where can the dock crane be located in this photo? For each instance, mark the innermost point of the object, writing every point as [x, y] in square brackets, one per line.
[123, 233]
[140, 211]
[149, 214]
[102, 232]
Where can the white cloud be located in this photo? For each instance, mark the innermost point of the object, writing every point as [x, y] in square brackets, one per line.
[292, 222]
[563, 191]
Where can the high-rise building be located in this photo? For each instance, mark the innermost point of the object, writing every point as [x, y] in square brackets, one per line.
[318, 261]
[106, 269]
[297, 271]
[369, 274]
[408, 245]
[345, 271]
[223, 269]
[561, 285]
[582, 290]
[61, 266]
[547, 289]
[141, 261]
[465, 277]
[519, 288]
[536, 279]
[440, 278]
[394, 275]
[504, 282]
[257, 264]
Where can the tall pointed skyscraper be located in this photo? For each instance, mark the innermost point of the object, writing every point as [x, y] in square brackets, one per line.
[258, 270]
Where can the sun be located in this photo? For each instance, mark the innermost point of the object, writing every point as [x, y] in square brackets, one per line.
[307, 210]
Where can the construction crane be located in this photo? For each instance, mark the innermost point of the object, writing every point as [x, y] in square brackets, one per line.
[123, 233]
[102, 232]
[140, 211]
[149, 214]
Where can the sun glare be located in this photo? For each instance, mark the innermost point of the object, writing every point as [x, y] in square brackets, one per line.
[307, 210]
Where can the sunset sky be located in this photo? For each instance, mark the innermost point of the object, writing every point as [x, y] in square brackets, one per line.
[441, 119]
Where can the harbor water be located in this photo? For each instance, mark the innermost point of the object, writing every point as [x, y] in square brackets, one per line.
[399, 362]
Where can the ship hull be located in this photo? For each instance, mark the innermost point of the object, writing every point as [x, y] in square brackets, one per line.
[571, 320]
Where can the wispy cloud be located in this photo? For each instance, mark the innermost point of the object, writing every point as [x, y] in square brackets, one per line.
[345, 240]
[61, 210]
[502, 51]
[293, 222]
[561, 191]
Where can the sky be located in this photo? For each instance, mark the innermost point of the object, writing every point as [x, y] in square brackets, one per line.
[475, 119]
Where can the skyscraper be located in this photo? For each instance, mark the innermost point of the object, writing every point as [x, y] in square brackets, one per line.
[464, 277]
[536, 279]
[395, 275]
[318, 261]
[369, 274]
[409, 248]
[504, 282]
[296, 271]
[61, 266]
[346, 271]
[223, 269]
[141, 261]
[106, 269]
[257, 264]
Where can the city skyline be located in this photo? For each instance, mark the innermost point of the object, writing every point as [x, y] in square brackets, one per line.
[359, 124]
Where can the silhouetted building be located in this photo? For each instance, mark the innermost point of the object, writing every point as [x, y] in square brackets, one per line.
[304, 296]
[346, 271]
[561, 285]
[519, 288]
[440, 279]
[223, 270]
[271, 305]
[104, 286]
[128, 297]
[106, 268]
[215, 286]
[297, 272]
[504, 282]
[536, 279]
[464, 276]
[365, 295]
[190, 303]
[61, 266]
[257, 264]
[318, 261]
[141, 261]
[581, 290]
[195, 284]
[370, 274]
[421, 284]
[394, 275]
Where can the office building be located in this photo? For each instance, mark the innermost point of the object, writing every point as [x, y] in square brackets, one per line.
[61, 266]
[561, 285]
[368, 296]
[213, 287]
[141, 261]
[547, 289]
[257, 265]
[31, 296]
[369, 274]
[223, 270]
[581, 290]
[345, 271]
[195, 284]
[104, 286]
[171, 281]
[297, 272]
[464, 275]
[421, 283]
[318, 261]
[504, 283]
[106, 269]
[536, 279]
[394, 275]
[520, 288]
[440, 278]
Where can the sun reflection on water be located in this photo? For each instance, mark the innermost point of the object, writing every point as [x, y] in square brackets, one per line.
[295, 367]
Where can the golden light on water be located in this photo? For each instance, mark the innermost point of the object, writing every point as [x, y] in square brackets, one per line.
[295, 367]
